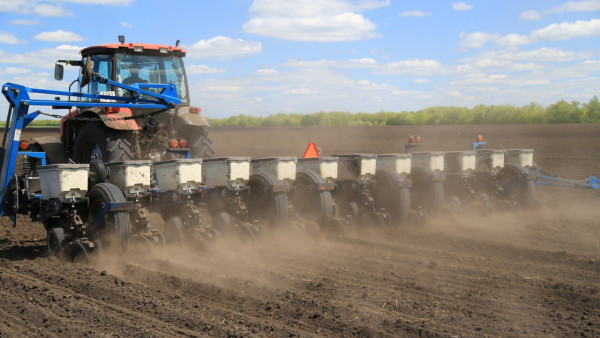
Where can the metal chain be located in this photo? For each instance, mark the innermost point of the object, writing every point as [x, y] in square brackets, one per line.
[94, 119]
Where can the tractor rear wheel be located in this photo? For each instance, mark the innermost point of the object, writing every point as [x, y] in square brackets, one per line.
[198, 141]
[95, 140]
[112, 229]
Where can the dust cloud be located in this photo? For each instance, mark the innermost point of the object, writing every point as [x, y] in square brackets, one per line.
[520, 273]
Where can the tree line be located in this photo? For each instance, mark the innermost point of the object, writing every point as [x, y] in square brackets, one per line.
[559, 112]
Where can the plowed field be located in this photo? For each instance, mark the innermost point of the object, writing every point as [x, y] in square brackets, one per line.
[534, 273]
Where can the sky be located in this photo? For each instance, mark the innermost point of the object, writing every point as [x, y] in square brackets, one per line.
[262, 57]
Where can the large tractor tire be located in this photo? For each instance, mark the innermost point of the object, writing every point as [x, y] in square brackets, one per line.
[198, 141]
[94, 139]
[113, 229]
[392, 195]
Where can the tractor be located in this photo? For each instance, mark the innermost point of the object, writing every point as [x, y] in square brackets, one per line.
[121, 134]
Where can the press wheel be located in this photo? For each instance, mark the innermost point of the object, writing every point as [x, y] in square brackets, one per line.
[516, 186]
[391, 195]
[114, 228]
[311, 202]
[425, 191]
[174, 230]
[269, 207]
[55, 240]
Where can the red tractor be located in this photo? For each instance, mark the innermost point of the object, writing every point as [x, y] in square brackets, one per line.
[120, 134]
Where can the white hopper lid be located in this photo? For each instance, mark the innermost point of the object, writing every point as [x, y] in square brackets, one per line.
[133, 162]
[233, 158]
[428, 153]
[288, 158]
[399, 155]
[179, 160]
[63, 166]
[460, 152]
[317, 159]
[357, 155]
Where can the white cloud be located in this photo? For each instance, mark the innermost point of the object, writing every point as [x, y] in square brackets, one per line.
[363, 63]
[223, 48]
[421, 80]
[506, 76]
[51, 10]
[571, 6]
[341, 27]
[266, 72]
[415, 13]
[300, 91]
[126, 24]
[545, 84]
[59, 36]
[566, 30]
[313, 20]
[33, 7]
[476, 39]
[461, 6]
[9, 39]
[19, 6]
[507, 66]
[416, 67]
[34, 69]
[305, 8]
[15, 71]
[41, 59]
[513, 60]
[513, 40]
[530, 16]
[25, 22]
[579, 6]
[203, 69]
[545, 55]
[103, 2]
[553, 32]
[226, 89]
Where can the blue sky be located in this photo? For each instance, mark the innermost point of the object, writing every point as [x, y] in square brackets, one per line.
[260, 57]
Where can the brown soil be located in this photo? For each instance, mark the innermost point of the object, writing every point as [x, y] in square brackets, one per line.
[527, 274]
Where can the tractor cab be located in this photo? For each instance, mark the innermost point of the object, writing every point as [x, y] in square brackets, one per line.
[132, 64]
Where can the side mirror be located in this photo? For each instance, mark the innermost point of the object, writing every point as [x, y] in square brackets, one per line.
[59, 71]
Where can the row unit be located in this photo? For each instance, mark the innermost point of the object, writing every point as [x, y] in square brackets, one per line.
[71, 180]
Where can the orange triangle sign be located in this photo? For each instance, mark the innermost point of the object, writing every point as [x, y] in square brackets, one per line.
[311, 151]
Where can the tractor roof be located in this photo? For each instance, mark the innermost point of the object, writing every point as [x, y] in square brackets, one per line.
[147, 48]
